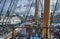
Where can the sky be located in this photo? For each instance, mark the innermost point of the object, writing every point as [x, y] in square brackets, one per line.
[21, 6]
[24, 4]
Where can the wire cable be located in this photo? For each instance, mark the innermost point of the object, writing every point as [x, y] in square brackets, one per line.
[2, 8]
[7, 11]
[41, 5]
[8, 14]
[28, 11]
[54, 9]
[5, 15]
[55, 6]
[27, 8]
[12, 5]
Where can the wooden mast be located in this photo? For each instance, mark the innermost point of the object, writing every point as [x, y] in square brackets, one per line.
[46, 20]
[36, 11]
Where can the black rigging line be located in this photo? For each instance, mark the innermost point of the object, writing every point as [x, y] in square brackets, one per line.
[12, 5]
[8, 9]
[28, 11]
[54, 9]
[15, 5]
[3, 7]
[41, 5]
[7, 13]
[2, 10]
[55, 6]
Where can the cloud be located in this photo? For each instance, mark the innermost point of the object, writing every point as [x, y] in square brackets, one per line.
[22, 4]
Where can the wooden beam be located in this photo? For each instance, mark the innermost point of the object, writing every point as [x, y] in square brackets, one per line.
[13, 32]
[46, 20]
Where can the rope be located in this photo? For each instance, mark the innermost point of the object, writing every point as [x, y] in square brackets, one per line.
[55, 9]
[7, 13]
[28, 11]
[6, 19]
[12, 6]
[41, 5]
[2, 7]
[55, 6]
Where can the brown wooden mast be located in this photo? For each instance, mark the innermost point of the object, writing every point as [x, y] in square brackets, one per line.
[46, 20]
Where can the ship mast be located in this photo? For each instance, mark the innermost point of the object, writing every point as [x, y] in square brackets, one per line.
[36, 11]
[46, 20]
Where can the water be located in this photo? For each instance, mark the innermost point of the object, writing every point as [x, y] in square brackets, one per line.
[36, 37]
